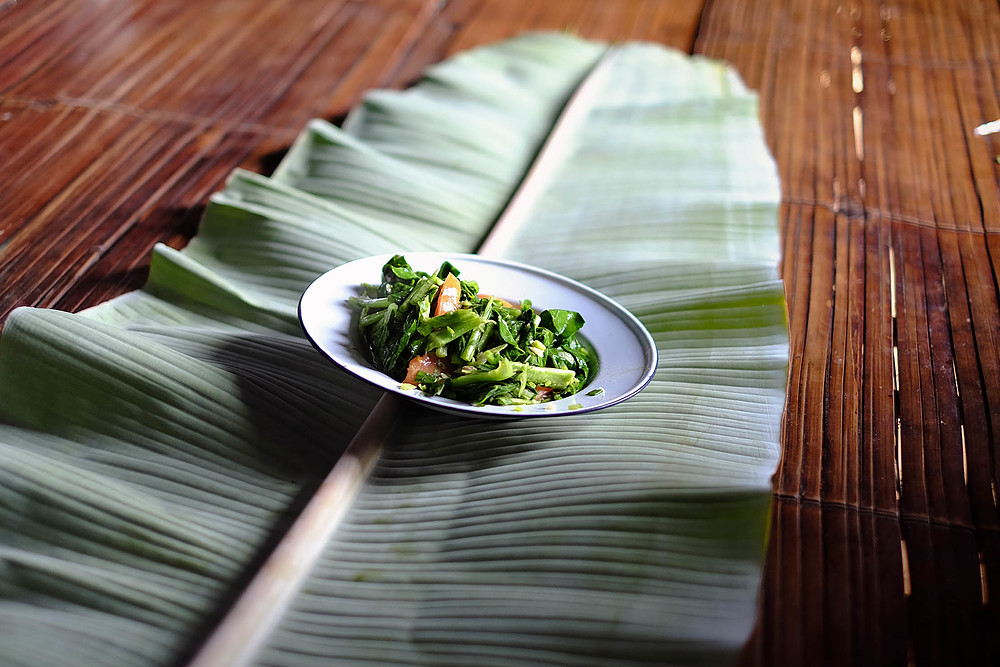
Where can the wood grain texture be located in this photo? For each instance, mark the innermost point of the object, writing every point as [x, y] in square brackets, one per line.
[885, 519]
[118, 119]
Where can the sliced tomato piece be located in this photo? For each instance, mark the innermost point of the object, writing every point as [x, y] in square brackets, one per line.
[449, 295]
[428, 363]
[543, 393]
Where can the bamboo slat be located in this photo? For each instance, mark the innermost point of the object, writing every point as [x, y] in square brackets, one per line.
[118, 119]
[885, 501]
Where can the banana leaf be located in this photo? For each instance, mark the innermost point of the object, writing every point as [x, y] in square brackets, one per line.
[157, 446]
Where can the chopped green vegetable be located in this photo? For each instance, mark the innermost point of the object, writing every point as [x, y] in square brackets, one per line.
[436, 332]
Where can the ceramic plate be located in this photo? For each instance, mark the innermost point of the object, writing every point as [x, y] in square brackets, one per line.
[625, 351]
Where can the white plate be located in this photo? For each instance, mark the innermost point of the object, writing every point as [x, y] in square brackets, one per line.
[625, 351]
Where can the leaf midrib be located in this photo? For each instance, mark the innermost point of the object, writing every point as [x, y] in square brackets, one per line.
[243, 629]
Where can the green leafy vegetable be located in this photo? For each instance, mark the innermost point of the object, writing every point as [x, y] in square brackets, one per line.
[481, 349]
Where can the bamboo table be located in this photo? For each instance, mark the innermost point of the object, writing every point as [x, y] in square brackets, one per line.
[118, 119]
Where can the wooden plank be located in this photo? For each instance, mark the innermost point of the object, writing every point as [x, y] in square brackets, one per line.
[32, 37]
[670, 23]
[942, 190]
[912, 163]
[782, 645]
[171, 207]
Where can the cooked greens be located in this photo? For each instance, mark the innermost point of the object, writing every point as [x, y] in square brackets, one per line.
[437, 333]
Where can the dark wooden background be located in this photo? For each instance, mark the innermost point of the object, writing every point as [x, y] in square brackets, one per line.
[119, 118]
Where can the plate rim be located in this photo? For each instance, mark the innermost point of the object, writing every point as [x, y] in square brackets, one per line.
[451, 406]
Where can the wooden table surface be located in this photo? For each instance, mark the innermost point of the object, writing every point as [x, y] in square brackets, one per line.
[119, 118]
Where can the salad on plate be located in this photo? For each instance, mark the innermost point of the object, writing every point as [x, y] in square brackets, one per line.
[438, 334]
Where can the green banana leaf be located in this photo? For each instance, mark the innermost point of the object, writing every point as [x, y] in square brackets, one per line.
[156, 446]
